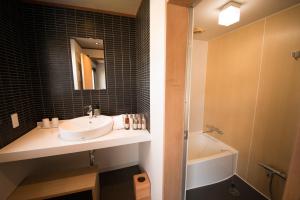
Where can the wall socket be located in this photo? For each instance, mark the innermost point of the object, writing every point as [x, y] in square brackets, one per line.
[15, 120]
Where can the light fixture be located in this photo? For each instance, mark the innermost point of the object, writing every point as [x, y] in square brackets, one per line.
[229, 14]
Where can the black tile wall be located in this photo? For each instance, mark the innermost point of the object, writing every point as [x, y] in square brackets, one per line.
[16, 77]
[143, 60]
[51, 29]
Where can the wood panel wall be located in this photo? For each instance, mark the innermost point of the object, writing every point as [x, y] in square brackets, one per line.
[292, 191]
[176, 46]
[233, 67]
[278, 101]
[87, 72]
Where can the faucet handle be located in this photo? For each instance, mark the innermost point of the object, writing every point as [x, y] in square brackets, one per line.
[89, 109]
[211, 129]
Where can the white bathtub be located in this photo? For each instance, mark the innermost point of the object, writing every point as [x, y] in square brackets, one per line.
[209, 160]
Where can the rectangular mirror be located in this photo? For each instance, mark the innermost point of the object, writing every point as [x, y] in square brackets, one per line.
[88, 63]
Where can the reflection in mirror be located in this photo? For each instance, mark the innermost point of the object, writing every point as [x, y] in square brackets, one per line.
[88, 63]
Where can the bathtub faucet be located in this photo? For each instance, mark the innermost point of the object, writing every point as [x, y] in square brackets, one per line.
[211, 129]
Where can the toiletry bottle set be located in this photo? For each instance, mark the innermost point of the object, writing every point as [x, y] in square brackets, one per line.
[126, 122]
[135, 122]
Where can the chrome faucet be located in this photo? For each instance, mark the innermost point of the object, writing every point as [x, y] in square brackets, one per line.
[211, 129]
[90, 111]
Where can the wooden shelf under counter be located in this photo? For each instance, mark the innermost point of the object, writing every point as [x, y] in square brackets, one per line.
[58, 184]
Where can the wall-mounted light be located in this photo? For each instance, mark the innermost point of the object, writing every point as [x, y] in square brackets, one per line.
[229, 14]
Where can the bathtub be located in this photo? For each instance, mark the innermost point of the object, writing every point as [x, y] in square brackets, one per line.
[209, 160]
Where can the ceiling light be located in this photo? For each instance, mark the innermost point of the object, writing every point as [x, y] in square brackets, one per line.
[229, 14]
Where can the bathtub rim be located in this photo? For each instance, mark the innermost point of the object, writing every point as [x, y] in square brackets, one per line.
[229, 150]
[212, 183]
[211, 157]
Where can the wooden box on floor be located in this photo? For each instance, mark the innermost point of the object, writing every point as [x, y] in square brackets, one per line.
[58, 184]
[142, 188]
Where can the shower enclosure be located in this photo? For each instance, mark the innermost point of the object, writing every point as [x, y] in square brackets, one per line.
[247, 84]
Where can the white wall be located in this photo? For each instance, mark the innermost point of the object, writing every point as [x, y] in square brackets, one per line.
[151, 154]
[106, 159]
[199, 61]
[11, 174]
[75, 57]
[100, 76]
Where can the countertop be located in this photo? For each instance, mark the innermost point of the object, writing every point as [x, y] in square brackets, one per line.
[46, 142]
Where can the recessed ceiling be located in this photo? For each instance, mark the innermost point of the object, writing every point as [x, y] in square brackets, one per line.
[206, 14]
[126, 7]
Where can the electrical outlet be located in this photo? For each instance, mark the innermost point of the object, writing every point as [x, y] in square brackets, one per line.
[14, 120]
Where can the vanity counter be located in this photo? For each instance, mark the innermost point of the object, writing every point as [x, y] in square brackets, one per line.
[46, 142]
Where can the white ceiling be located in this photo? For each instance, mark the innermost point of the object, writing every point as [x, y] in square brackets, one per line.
[206, 14]
[127, 7]
[89, 43]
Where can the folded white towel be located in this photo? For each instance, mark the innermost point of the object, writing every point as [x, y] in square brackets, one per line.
[118, 122]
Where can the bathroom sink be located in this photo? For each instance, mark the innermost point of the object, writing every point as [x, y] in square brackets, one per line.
[84, 128]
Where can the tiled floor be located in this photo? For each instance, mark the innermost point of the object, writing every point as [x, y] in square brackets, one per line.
[114, 185]
[118, 184]
[231, 189]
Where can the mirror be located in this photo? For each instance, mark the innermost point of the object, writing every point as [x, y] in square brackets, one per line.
[88, 63]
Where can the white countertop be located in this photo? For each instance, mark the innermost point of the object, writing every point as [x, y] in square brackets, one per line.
[46, 142]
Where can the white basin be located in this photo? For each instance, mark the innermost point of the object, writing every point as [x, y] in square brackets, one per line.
[84, 128]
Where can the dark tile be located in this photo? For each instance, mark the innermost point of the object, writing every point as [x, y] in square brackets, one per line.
[233, 188]
[85, 195]
[55, 26]
[142, 65]
[15, 80]
[118, 184]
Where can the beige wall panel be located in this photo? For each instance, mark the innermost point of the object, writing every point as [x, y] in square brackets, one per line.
[292, 191]
[278, 106]
[231, 87]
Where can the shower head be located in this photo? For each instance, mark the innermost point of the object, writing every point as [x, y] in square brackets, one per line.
[198, 30]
